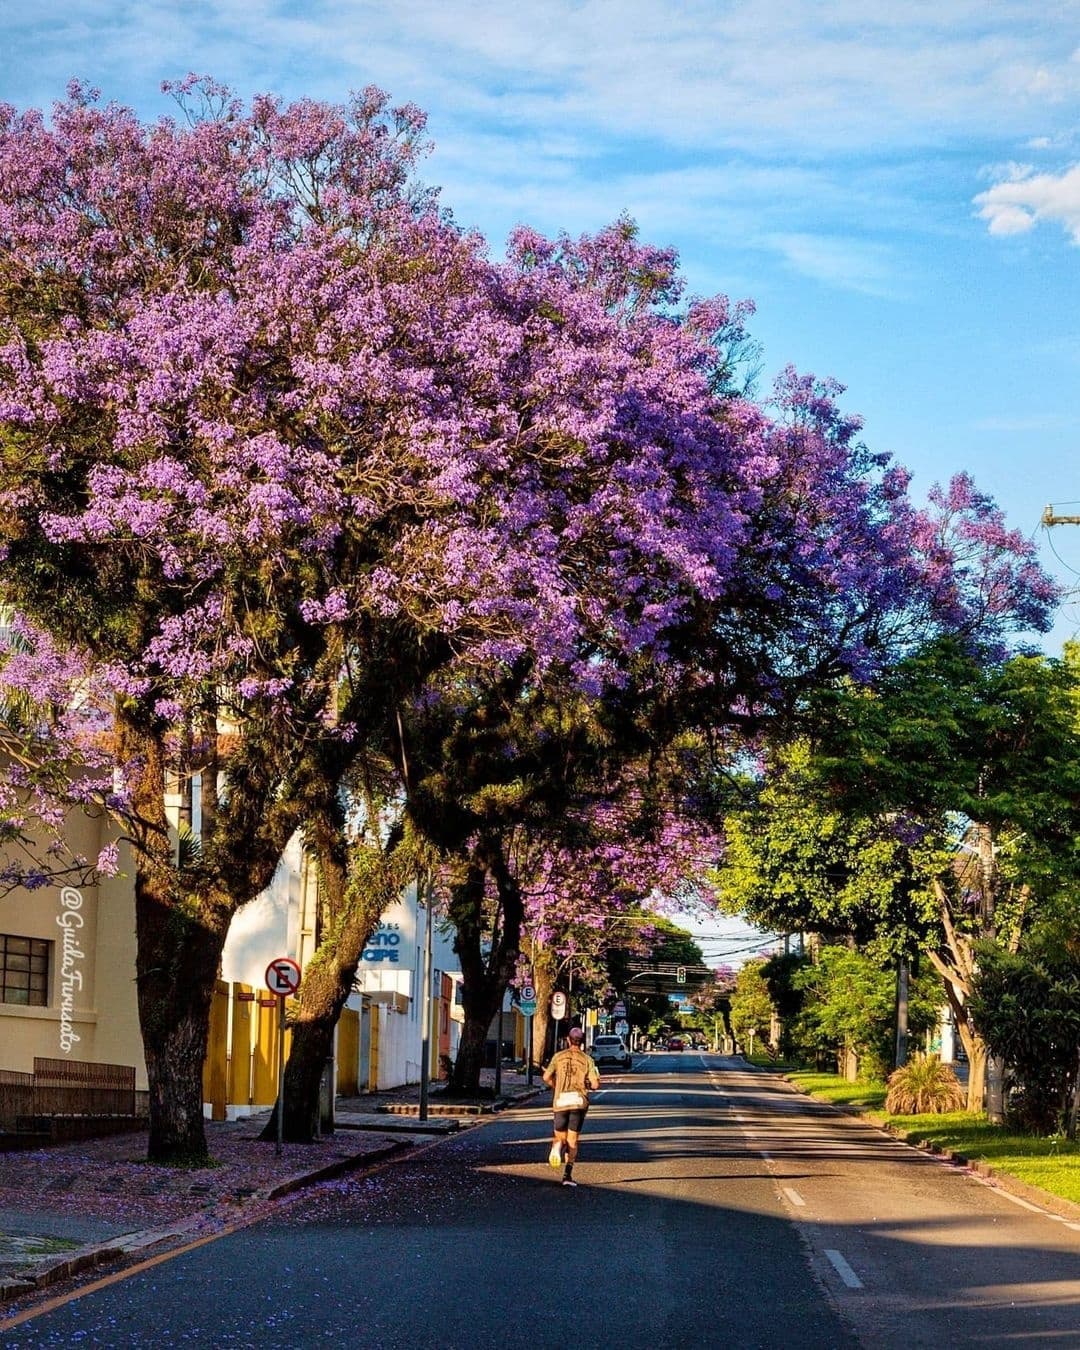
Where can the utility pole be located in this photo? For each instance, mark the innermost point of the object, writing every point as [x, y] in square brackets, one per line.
[901, 1054]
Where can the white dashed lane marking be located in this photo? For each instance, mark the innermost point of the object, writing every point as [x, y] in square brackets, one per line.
[843, 1269]
[793, 1195]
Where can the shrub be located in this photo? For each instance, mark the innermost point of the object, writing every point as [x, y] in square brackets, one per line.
[924, 1086]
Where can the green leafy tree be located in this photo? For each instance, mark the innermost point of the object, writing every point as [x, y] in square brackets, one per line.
[751, 1007]
[849, 1001]
[800, 858]
[935, 811]
[985, 759]
[1027, 1006]
[787, 994]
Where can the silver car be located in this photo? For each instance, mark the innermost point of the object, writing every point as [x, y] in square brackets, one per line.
[610, 1050]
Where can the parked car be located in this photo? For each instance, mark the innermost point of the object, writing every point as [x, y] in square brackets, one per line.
[611, 1050]
[675, 1043]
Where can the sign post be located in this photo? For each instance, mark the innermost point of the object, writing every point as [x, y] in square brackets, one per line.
[425, 1007]
[558, 1012]
[527, 1004]
[282, 979]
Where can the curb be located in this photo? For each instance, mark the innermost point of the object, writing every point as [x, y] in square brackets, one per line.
[461, 1109]
[411, 1109]
[331, 1170]
[89, 1258]
[1002, 1181]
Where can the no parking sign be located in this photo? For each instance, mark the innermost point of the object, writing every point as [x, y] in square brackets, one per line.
[283, 976]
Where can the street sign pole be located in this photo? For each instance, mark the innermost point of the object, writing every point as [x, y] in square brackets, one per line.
[558, 1012]
[282, 978]
[527, 1005]
[425, 1006]
[498, 1048]
[280, 1075]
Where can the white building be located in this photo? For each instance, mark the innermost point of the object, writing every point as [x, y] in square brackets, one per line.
[389, 983]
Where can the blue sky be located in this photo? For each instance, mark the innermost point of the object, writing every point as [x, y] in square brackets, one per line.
[896, 187]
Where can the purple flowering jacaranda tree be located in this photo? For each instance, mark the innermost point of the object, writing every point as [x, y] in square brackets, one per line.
[268, 420]
[243, 395]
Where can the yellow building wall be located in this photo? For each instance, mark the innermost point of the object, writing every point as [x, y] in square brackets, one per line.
[91, 1013]
[118, 1039]
[348, 1052]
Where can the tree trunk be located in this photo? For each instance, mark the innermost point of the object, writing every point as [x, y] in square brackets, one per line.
[312, 1045]
[327, 984]
[484, 982]
[1074, 1104]
[354, 895]
[465, 1080]
[178, 961]
[956, 969]
[976, 1090]
[179, 940]
[544, 983]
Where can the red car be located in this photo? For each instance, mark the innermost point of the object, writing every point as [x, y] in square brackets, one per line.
[675, 1043]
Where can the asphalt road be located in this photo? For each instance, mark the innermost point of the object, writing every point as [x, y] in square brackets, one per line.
[716, 1207]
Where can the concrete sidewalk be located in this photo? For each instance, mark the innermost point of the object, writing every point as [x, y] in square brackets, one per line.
[69, 1208]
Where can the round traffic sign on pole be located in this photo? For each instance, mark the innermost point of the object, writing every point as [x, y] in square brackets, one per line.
[558, 1005]
[283, 976]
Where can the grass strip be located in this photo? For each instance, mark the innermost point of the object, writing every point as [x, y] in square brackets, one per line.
[1051, 1163]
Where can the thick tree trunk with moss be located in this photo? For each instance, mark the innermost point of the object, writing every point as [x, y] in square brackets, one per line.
[179, 954]
[183, 909]
[179, 940]
[324, 994]
[543, 975]
[356, 886]
[327, 983]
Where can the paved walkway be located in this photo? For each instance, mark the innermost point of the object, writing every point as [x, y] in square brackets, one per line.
[74, 1206]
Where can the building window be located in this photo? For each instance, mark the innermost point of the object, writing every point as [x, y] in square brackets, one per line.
[24, 971]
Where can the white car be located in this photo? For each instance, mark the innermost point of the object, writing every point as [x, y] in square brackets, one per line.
[611, 1050]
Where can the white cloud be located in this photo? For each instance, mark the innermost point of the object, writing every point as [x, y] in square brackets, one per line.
[818, 74]
[1025, 199]
[850, 264]
[808, 129]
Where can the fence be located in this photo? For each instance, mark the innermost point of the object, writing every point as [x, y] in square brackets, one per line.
[65, 1087]
[16, 1097]
[242, 1050]
[62, 1087]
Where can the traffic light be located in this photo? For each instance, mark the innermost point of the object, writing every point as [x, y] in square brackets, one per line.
[680, 974]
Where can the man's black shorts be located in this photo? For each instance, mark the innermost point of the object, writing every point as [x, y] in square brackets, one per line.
[571, 1120]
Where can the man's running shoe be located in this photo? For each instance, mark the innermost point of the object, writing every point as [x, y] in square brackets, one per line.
[555, 1156]
[567, 1182]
